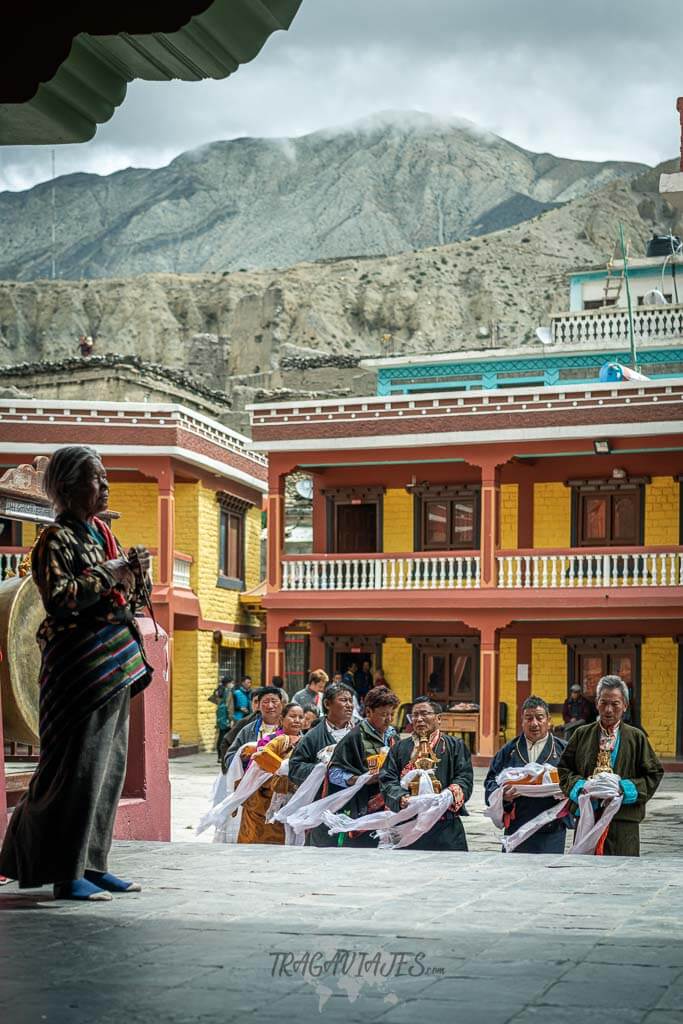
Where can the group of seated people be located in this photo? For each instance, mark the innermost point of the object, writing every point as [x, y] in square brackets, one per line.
[376, 779]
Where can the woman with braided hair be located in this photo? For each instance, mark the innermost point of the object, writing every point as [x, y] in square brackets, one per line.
[93, 662]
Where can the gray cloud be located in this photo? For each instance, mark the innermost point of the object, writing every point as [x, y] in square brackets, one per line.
[593, 80]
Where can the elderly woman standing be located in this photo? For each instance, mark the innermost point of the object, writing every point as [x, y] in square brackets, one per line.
[610, 744]
[92, 664]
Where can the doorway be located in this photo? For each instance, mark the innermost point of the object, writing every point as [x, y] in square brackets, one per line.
[355, 527]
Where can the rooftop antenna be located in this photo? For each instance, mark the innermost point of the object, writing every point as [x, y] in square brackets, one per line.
[631, 336]
[54, 226]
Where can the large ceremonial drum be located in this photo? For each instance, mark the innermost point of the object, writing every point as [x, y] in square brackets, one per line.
[21, 612]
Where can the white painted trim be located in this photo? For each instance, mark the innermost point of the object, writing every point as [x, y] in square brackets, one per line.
[164, 409]
[184, 454]
[461, 437]
[494, 396]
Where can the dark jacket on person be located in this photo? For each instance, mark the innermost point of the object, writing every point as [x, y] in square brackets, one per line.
[635, 762]
[351, 756]
[301, 764]
[247, 734]
[454, 767]
[579, 708]
[515, 755]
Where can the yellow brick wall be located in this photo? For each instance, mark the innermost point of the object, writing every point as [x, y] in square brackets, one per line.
[552, 515]
[184, 686]
[658, 693]
[507, 674]
[397, 662]
[549, 671]
[509, 499]
[187, 525]
[28, 535]
[137, 504]
[397, 518]
[252, 549]
[662, 497]
[252, 662]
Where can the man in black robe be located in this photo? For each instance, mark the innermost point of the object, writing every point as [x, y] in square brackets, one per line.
[338, 708]
[627, 750]
[453, 771]
[364, 749]
[536, 744]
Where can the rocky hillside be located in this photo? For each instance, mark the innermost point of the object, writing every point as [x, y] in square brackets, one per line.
[303, 329]
[388, 185]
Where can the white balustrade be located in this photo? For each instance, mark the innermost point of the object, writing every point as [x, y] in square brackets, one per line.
[582, 571]
[421, 572]
[9, 563]
[611, 325]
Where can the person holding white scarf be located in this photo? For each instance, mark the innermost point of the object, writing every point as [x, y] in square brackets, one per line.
[534, 745]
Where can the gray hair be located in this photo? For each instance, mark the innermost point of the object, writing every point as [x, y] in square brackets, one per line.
[532, 702]
[612, 683]
[66, 471]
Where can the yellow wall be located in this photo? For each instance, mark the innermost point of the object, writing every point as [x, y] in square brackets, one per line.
[509, 499]
[184, 686]
[252, 662]
[662, 511]
[507, 673]
[137, 504]
[397, 519]
[397, 662]
[552, 515]
[549, 671]
[658, 693]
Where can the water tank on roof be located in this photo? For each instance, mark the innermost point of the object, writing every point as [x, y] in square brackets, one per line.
[664, 245]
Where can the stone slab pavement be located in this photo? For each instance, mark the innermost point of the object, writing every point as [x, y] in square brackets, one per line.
[254, 933]
[247, 933]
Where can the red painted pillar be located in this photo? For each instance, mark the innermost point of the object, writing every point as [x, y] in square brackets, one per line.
[490, 504]
[275, 646]
[145, 808]
[319, 516]
[316, 651]
[275, 508]
[166, 518]
[489, 690]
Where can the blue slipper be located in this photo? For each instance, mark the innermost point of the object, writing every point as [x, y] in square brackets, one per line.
[80, 889]
[111, 883]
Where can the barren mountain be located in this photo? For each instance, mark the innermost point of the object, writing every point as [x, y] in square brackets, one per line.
[390, 184]
[301, 330]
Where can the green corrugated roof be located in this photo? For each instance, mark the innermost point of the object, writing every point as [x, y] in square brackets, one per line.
[91, 82]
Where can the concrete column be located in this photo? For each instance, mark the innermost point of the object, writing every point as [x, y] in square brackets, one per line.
[490, 512]
[489, 690]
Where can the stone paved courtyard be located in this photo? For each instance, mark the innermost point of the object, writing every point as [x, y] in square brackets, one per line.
[231, 933]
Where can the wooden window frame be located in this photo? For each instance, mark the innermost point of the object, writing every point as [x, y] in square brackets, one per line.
[450, 495]
[578, 647]
[583, 490]
[447, 646]
[13, 537]
[231, 509]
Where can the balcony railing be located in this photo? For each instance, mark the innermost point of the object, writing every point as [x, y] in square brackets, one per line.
[382, 572]
[10, 559]
[590, 568]
[610, 325]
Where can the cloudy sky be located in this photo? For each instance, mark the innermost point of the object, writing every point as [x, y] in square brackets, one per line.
[592, 79]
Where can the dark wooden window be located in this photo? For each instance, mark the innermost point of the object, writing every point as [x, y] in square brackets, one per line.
[10, 533]
[590, 660]
[230, 663]
[231, 558]
[448, 524]
[448, 672]
[598, 303]
[606, 518]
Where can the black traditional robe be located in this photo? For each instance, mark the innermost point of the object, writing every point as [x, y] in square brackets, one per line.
[351, 755]
[635, 762]
[454, 767]
[301, 764]
[550, 838]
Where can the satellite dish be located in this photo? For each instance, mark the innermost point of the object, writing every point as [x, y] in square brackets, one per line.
[654, 298]
[544, 336]
[304, 488]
